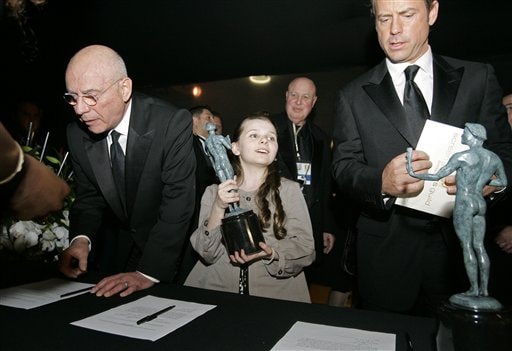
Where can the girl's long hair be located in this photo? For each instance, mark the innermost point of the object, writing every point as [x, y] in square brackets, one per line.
[270, 185]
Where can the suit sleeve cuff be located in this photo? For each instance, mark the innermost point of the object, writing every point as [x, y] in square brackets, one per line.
[84, 237]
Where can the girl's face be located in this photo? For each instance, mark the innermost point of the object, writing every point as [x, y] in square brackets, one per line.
[257, 143]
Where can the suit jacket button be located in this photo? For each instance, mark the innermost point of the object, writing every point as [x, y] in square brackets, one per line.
[280, 272]
[248, 198]
[206, 233]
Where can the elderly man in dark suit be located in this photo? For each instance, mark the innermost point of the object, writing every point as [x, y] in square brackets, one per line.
[404, 255]
[305, 156]
[131, 158]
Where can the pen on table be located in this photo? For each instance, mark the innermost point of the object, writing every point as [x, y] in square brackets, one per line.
[76, 291]
[409, 342]
[154, 315]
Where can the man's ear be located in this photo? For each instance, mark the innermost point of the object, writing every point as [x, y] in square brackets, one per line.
[314, 101]
[126, 85]
[432, 15]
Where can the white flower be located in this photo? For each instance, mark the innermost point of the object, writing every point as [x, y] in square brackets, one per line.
[23, 228]
[25, 234]
[65, 220]
[60, 232]
[62, 235]
[22, 235]
[25, 241]
[48, 240]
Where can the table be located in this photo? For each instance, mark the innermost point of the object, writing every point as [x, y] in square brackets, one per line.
[237, 323]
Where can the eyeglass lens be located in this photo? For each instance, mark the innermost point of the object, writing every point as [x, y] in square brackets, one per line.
[89, 100]
[72, 99]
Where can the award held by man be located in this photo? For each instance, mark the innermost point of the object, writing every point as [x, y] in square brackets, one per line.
[240, 227]
[472, 312]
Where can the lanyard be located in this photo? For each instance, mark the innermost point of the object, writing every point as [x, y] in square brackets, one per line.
[296, 130]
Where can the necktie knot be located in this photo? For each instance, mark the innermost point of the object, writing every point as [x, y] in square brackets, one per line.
[410, 72]
[115, 136]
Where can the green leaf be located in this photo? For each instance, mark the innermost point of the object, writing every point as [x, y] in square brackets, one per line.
[53, 160]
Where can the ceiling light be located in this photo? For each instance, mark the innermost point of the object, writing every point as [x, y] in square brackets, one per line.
[259, 79]
[197, 91]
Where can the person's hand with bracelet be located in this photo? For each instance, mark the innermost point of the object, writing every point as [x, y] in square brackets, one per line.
[37, 190]
[11, 157]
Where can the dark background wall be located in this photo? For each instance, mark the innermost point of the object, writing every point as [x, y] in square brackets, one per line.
[170, 45]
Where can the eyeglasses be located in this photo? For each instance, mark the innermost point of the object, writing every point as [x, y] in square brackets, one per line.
[89, 100]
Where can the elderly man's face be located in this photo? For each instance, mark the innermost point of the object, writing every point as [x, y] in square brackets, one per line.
[300, 100]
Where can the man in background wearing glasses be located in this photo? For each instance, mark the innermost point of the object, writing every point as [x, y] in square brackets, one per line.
[134, 177]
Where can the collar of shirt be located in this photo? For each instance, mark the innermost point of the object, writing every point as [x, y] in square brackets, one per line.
[424, 78]
[122, 128]
[202, 139]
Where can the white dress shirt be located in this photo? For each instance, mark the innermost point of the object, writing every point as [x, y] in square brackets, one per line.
[424, 78]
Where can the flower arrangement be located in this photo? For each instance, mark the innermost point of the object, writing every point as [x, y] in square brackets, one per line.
[41, 238]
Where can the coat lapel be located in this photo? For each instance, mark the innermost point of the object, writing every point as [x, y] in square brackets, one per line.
[100, 163]
[137, 151]
[286, 150]
[382, 91]
[446, 85]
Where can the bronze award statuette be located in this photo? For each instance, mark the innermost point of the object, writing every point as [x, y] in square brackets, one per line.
[472, 320]
[240, 227]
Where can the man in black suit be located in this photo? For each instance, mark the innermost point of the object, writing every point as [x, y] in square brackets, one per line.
[305, 156]
[404, 256]
[205, 176]
[205, 173]
[151, 205]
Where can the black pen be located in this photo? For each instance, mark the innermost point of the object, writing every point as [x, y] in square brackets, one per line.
[409, 342]
[76, 291]
[154, 315]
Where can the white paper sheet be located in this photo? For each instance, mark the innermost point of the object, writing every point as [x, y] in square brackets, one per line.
[439, 141]
[304, 336]
[122, 320]
[41, 293]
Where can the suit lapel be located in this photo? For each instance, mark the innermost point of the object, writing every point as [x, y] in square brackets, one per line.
[382, 91]
[137, 151]
[286, 152]
[98, 158]
[201, 152]
[290, 154]
[446, 85]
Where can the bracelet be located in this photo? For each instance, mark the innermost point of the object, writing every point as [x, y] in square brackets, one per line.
[19, 166]
[272, 257]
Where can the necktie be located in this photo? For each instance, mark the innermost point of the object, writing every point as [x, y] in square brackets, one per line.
[414, 104]
[117, 161]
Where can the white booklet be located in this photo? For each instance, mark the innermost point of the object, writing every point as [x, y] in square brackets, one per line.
[440, 141]
[308, 337]
[149, 317]
[40, 293]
